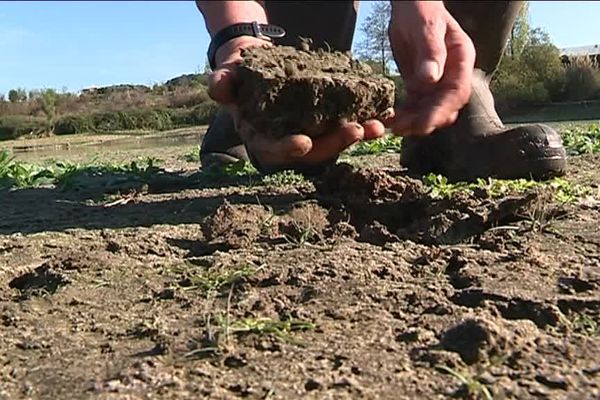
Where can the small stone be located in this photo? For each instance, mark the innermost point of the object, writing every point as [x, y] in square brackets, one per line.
[346, 382]
[553, 381]
[166, 294]
[312, 384]
[235, 362]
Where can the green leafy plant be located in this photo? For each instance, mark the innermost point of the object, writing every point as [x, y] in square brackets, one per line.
[193, 156]
[564, 190]
[582, 139]
[21, 174]
[386, 144]
[283, 178]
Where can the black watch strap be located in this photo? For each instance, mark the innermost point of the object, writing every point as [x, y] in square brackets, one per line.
[263, 31]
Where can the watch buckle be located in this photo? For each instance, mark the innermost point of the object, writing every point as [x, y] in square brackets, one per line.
[257, 31]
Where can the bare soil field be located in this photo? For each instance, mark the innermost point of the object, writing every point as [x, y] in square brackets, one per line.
[361, 284]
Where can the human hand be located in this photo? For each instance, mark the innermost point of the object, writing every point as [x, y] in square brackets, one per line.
[295, 149]
[436, 59]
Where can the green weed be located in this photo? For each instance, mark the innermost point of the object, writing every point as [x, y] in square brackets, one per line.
[583, 324]
[283, 178]
[21, 174]
[471, 384]
[213, 280]
[582, 139]
[564, 190]
[301, 234]
[193, 156]
[386, 144]
[239, 169]
[438, 187]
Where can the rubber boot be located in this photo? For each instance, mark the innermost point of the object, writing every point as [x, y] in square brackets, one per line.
[478, 145]
[221, 144]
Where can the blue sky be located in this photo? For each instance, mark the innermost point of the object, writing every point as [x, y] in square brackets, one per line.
[80, 44]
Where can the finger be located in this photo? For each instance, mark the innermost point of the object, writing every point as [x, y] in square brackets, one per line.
[460, 63]
[454, 90]
[431, 53]
[403, 123]
[328, 146]
[221, 85]
[271, 151]
[373, 129]
[442, 112]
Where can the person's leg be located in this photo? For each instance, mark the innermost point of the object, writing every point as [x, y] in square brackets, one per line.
[309, 19]
[478, 145]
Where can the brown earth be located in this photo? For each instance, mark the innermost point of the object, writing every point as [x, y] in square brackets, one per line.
[381, 291]
[285, 91]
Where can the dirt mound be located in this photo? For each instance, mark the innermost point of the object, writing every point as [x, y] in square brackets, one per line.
[480, 339]
[387, 207]
[286, 91]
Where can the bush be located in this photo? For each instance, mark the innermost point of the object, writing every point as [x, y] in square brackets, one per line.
[12, 127]
[188, 97]
[131, 120]
[582, 79]
[73, 124]
[203, 113]
[533, 77]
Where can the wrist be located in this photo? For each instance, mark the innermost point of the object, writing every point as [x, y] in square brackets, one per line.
[421, 7]
[230, 51]
[221, 14]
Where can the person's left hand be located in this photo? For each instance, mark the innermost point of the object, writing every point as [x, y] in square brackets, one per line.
[436, 59]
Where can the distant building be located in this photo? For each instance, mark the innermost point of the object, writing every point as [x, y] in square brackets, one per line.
[593, 51]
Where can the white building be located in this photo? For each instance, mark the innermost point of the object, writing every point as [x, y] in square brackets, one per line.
[569, 52]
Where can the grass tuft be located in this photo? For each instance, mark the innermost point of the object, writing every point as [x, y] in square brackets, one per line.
[473, 387]
[213, 280]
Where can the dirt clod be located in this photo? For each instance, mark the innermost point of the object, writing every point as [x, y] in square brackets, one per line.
[288, 91]
[42, 280]
[234, 226]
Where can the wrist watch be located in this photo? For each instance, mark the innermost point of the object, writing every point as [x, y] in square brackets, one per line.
[261, 31]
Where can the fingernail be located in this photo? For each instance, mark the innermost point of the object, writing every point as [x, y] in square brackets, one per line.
[430, 71]
[298, 153]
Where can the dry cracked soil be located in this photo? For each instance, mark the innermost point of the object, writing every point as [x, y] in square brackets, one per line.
[355, 286]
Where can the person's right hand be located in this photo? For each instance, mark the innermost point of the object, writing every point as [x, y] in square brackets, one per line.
[436, 58]
[292, 149]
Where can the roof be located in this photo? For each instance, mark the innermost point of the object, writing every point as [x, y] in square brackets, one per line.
[581, 50]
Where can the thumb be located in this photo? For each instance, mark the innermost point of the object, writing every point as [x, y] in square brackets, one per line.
[431, 55]
[221, 84]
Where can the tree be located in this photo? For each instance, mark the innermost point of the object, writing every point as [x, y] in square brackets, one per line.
[47, 101]
[17, 95]
[375, 44]
[519, 34]
[532, 75]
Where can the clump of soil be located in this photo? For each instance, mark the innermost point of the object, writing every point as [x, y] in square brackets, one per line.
[233, 227]
[386, 208]
[284, 90]
[478, 339]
